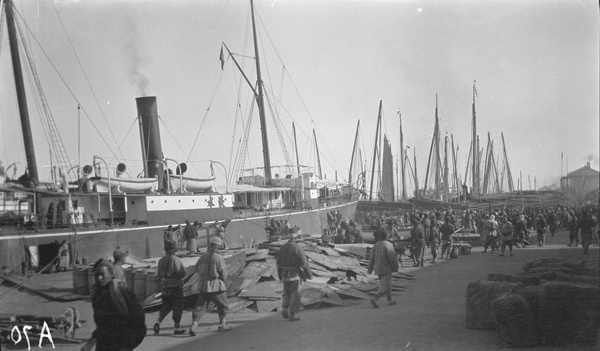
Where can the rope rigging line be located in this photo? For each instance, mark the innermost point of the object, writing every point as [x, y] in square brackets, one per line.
[86, 79]
[57, 149]
[286, 154]
[125, 138]
[204, 117]
[331, 163]
[242, 150]
[73, 95]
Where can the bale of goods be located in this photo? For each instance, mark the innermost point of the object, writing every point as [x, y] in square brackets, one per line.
[480, 295]
[569, 314]
[579, 279]
[501, 277]
[80, 280]
[514, 319]
[531, 293]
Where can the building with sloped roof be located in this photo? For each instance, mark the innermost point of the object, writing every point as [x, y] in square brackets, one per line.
[582, 184]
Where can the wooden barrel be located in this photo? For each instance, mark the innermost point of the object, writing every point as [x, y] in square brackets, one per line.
[152, 282]
[91, 281]
[130, 278]
[80, 280]
[139, 286]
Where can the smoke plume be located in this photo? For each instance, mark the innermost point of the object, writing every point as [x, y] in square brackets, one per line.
[137, 58]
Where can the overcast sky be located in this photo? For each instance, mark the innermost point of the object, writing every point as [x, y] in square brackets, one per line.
[535, 63]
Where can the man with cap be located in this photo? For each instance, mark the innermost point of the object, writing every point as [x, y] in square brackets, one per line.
[491, 227]
[520, 229]
[417, 234]
[63, 257]
[292, 268]
[446, 231]
[118, 314]
[507, 232]
[171, 273]
[212, 271]
[573, 228]
[384, 262]
[118, 261]
[358, 238]
[190, 233]
[541, 229]
[222, 233]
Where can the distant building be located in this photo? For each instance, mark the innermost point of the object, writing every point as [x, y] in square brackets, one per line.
[582, 184]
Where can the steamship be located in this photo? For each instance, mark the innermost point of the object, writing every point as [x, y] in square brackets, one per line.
[104, 208]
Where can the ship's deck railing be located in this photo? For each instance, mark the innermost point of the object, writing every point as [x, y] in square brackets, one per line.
[257, 210]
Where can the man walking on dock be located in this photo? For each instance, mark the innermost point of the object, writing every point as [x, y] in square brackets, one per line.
[384, 262]
[293, 268]
[417, 234]
[212, 272]
[171, 273]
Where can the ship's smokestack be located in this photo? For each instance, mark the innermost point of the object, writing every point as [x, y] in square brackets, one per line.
[150, 136]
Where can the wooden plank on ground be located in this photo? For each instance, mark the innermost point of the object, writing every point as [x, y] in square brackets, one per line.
[317, 265]
[317, 282]
[237, 284]
[271, 265]
[237, 303]
[366, 287]
[260, 255]
[351, 292]
[235, 261]
[332, 299]
[267, 305]
[329, 251]
[263, 291]
[310, 296]
[328, 262]
[253, 269]
[322, 273]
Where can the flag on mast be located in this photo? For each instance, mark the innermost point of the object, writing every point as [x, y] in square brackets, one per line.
[221, 58]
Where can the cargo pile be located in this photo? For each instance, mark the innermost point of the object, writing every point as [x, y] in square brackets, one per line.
[550, 303]
[340, 278]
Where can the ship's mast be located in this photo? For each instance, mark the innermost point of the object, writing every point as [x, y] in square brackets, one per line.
[350, 180]
[318, 157]
[475, 162]
[22, 102]
[20, 87]
[402, 163]
[261, 104]
[375, 149]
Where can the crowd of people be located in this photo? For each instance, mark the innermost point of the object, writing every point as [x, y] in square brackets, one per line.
[499, 229]
[120, 319]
